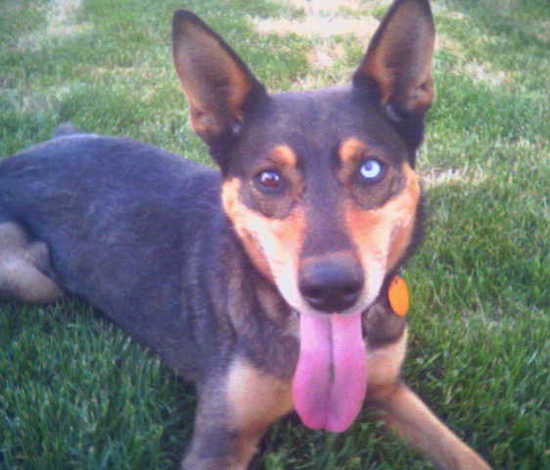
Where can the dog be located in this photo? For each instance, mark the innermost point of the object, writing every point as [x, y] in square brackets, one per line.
[269, 282]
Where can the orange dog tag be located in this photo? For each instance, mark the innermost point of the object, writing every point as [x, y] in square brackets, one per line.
[398, 296]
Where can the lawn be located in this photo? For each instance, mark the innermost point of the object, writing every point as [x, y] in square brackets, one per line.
[76, 393]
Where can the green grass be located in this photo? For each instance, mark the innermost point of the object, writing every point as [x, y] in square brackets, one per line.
[75, 393]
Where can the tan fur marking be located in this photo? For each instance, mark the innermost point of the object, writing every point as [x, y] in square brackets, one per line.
[239, 215]
[351, 150]
[383, 234]
[384, 364]
[407, 205]
[21, 262]
[407, 415]
[256, 400]
[284, 156]
[272, 244]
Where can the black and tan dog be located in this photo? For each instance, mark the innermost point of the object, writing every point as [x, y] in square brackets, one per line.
[266, 283]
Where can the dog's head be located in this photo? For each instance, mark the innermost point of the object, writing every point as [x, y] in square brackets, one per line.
[320, 185]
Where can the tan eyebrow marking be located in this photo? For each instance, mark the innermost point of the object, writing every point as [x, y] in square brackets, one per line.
[284, 156]
[351, 150]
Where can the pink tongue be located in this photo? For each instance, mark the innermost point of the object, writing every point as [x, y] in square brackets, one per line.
[330, 381]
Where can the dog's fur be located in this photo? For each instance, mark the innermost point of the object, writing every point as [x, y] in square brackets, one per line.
[213, 269]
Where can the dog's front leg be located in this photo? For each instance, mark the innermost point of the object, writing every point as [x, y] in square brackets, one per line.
[409, 416]
[234, 412]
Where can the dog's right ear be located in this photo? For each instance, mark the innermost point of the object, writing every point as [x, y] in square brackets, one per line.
[217, 84]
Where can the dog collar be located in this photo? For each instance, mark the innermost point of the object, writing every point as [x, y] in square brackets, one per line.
[398, 296]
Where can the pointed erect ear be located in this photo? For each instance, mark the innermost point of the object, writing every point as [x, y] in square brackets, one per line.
[398, 62]
[216, 82]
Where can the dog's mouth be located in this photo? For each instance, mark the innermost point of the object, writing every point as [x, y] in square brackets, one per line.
[330, 381]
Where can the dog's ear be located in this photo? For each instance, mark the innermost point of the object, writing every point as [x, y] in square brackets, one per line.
[217, 84]
[398, 64]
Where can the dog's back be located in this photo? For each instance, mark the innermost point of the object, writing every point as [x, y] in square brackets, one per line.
[111, 209]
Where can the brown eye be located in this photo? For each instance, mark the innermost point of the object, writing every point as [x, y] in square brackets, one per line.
[270, 181]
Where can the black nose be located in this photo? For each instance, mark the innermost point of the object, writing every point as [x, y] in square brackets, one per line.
[331, 284]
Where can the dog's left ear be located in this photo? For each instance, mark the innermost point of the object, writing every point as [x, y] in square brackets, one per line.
[217, 84]
[398, 65]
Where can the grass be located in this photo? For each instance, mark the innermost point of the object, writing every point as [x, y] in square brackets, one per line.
[76, 393]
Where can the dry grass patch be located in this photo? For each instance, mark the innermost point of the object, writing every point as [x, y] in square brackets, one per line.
[324, 23]
[60, 22]
[434, 177]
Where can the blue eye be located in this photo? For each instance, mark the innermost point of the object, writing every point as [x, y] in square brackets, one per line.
[372, 170]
